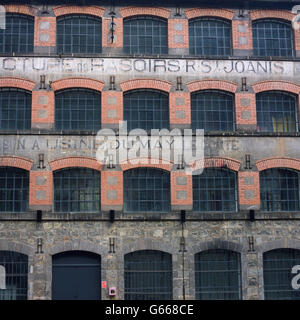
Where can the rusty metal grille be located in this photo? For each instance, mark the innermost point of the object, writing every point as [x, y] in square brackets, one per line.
[148, 275]
[278, 275]
[218, 275]
[16, 267]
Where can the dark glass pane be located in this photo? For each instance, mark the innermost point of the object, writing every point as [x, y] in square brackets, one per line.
[18, 34]
[215, 190]
[145, 35]
[279, 190]
[14, 189]
[146, 190]
[78, 109]
[272, 38]
[79, 34]
[276, 112]
[278, 275]
[146, 109]
[210, 37]
[218, 275]
[212, 111]
[76, 190]
[148, 275]
[16, 270]
[15, 109]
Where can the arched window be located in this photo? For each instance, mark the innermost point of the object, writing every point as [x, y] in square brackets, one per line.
[279, 190]
[276, 112]
[148, 275]
[16, 270]
[79, 34]
[210, 36]
[145, 35]
[76, 190]
[18, 34]
[146, 109]
[272, 38]
[77, 109]
[278, 276]
[218, 275]
[15, 109]
[146, 190]
[212, 110]
[14, 189]
[215, 190]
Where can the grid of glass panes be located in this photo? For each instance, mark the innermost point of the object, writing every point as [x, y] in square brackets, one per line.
[14, 189]
[78, 109]
[79, 34]
[15, 109]
[16, 271]
[18, 34]
[215, 190]
[212, 111]
[218, 275]
[146, 109]
[145, 35]
[276, 112]
[272, 38]
[210, 37]
[148, 275]
[146, 190]
[279, 190]
[76, 190]
[278, 275]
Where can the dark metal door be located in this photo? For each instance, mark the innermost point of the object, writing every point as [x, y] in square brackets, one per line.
[76, 275]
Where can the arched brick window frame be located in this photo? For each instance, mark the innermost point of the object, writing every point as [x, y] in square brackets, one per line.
[285, 86]
[218, 14]
[285, 16]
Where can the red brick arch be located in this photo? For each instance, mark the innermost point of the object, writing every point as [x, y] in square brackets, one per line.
[146, 84]
[276, 162]
[276, 85]
[92, 10]
[17, 162]
[164, 165]
[198, 12]
[77, 83]
[278, 14]
[135, 11]
[22, 9]
[212, 84]
[75, 162]
[17, 83]
[216, 162]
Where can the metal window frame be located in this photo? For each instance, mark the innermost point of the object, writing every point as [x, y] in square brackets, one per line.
[16, 267]
[230, 254]
[163, 49]
[283, 93]
[23, 191]
[163, 95]
[29, 37]
[69, 201]
[128, 203]
[276, 291]
[278, 21]
[213, 19]
[234, 176]
[195, 108]
[61, 47]
[273, 202]
[165, 271]
[96, 110]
